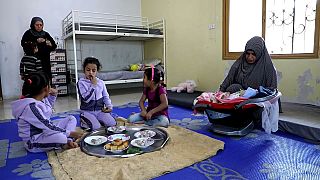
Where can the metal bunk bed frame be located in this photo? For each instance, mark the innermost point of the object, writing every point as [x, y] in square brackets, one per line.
[106, 26]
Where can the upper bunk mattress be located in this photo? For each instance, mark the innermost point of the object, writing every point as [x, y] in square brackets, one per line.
[112, 28]
[116, 75]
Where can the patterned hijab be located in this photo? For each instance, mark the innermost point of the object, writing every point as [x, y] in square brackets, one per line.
[259, 73]
[33, 30]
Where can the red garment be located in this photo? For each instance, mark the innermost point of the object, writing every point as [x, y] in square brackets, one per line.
[221, 100]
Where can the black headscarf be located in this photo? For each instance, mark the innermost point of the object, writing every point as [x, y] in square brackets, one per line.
[33, 30]
[260, 73]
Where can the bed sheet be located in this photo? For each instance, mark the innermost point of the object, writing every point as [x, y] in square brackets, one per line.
[116, 75]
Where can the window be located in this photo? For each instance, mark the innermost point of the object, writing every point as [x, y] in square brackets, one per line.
[290, 27]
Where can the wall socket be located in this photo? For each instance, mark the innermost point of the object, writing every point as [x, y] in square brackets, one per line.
[211, 26]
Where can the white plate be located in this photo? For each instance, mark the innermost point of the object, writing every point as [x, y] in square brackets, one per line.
[123, 137]
[95, 140]
[117, 129]
[145, 134]
[142, 142]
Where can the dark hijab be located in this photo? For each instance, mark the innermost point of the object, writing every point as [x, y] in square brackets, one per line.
[35, 33]
[259, 73]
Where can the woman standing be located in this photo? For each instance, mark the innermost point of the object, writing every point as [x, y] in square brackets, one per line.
[44, 41]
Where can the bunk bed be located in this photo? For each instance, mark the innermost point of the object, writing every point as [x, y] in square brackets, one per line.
[95, 26]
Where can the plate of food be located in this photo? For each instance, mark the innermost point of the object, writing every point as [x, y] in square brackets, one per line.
[117, 146]
[116, 129]
[142, 142]
[145, 134]
[95, 140]
[123, 137]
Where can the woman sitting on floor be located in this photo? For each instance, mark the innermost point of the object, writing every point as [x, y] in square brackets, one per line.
[253, 68]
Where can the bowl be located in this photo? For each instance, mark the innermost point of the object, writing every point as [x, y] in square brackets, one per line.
[123, 137]
[116, 129]
[142, 142]
[95, 140]
[145, 134]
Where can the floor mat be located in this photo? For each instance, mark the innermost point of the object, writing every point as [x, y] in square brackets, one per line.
[255, 156]
[184, 148]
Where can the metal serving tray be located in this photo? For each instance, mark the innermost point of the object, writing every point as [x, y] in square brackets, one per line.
[160, 139]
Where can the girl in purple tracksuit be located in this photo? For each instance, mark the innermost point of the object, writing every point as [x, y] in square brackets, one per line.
[33, 112]
[95, 102]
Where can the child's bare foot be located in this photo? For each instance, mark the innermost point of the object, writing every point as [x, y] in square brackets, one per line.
[79, 139]
[76, 134]
[70, 145]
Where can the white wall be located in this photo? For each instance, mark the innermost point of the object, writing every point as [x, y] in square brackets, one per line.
[15, 17]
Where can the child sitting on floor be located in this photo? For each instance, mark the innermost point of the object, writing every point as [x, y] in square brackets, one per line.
[154, 91]
[95, 101]
[33, 112]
